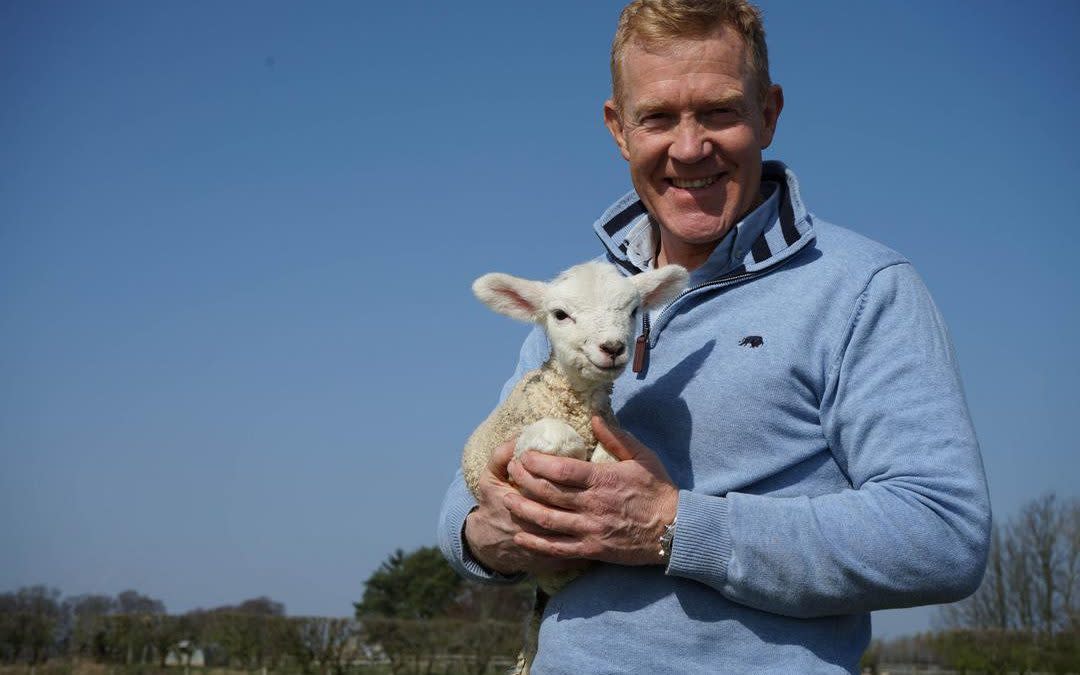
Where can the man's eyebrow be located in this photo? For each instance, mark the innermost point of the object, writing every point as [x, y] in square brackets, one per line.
[725, 100]
[728, 99]
[649, 105]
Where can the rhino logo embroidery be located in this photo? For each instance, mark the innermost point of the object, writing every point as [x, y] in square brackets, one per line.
[752, 341]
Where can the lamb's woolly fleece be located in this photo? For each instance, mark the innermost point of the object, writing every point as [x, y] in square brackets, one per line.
[543, 393]
[604, 302]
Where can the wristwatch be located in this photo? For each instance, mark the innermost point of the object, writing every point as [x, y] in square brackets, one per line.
[667, 539]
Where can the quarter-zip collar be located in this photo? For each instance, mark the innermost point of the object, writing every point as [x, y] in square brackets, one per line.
[642, 239]
[755, 243]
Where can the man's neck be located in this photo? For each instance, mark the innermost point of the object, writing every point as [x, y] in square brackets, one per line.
[690, 256]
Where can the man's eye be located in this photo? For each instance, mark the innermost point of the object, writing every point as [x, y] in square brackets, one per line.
[721, 115]
[560, 315]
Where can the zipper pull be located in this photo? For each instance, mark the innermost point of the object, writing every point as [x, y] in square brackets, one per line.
[641, 345]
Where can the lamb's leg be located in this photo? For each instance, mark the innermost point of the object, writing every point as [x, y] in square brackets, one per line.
[552, 436]
[600, 455]
[532, 634]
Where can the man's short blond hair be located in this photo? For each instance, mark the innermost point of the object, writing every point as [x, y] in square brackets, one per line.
[655, 23]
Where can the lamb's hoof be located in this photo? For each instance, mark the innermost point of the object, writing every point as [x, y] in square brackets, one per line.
[521, 667]
[553, 437]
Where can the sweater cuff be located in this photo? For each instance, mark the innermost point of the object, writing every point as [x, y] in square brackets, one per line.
[456, 508]
[701, 549]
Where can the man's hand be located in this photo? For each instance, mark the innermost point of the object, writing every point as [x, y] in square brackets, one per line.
[615, 512]
[490, 530]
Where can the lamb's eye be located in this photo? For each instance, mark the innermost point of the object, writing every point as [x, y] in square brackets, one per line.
[560, 315]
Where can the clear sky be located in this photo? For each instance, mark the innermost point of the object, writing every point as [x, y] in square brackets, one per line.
[238, 351]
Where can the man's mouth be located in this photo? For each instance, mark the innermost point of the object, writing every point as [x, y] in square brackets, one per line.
[694, 183]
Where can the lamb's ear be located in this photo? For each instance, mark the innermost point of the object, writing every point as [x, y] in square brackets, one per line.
[658, 287]
[515, 297]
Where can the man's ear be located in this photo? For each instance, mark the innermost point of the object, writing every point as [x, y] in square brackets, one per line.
[613, 122]
[774, 103]
[660, 286]
[512, 296]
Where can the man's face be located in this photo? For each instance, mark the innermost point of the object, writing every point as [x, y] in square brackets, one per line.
[692, 128]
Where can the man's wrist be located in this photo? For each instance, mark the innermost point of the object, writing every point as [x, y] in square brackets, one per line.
[470, 554]
[670, 518]
[667, 540]
[466, 547]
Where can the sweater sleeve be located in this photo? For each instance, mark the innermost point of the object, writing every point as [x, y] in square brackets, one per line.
[459, 502]
[913, 529]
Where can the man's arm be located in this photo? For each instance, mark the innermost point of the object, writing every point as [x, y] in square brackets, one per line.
[477, 536]
[457, 506]
[914, 528]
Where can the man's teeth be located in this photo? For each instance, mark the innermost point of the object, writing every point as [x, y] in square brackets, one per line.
[694, 182]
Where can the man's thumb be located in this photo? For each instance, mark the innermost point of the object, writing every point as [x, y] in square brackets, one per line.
[500, 459]
[619, 444]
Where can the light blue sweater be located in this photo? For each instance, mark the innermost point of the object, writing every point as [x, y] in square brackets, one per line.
[828, 471]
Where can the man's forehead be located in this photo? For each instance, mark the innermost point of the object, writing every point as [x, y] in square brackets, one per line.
[722, 52]
[725, 39]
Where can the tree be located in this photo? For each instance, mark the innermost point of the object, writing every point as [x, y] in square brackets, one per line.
[249, 634]
[871, 658]
[323, 642]
[482, 602]
[1069, 582]
[10, 637]
[1024, 614]
[29, 619]
[88, 631]
[133, 602]
[1041, 528]
[411, 645]
[261, 606]
[420, 585]
[164, 633]
[416, 610]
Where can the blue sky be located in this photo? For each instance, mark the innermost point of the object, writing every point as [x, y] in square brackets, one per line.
[238, 353]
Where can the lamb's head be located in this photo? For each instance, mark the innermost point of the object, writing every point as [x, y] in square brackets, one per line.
[587, 311]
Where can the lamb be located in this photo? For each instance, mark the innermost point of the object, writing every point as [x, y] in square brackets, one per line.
[587, 314]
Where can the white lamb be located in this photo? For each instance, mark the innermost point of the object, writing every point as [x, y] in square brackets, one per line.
[587, 314]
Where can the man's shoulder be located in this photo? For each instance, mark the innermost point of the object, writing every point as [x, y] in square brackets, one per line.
[849, 253]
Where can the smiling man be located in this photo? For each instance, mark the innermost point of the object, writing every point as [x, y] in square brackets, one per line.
[691, 118]
[800, 452]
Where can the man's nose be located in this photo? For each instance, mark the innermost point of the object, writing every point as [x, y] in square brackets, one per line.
[691, 143]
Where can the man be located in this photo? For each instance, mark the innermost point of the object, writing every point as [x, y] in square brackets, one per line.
[801, 451]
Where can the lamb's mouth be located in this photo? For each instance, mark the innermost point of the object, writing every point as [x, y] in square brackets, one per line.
[610, 368]
[694, 183]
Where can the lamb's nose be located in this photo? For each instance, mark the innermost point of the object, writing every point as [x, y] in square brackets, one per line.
[613, 347]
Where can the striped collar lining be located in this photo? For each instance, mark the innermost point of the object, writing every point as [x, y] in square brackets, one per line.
[727, 255]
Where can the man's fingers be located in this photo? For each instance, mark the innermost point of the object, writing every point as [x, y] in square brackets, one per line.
[500, 458]
[561, 470]
[546, 518]
[553, 546]
[543, 490]
[619, 444]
